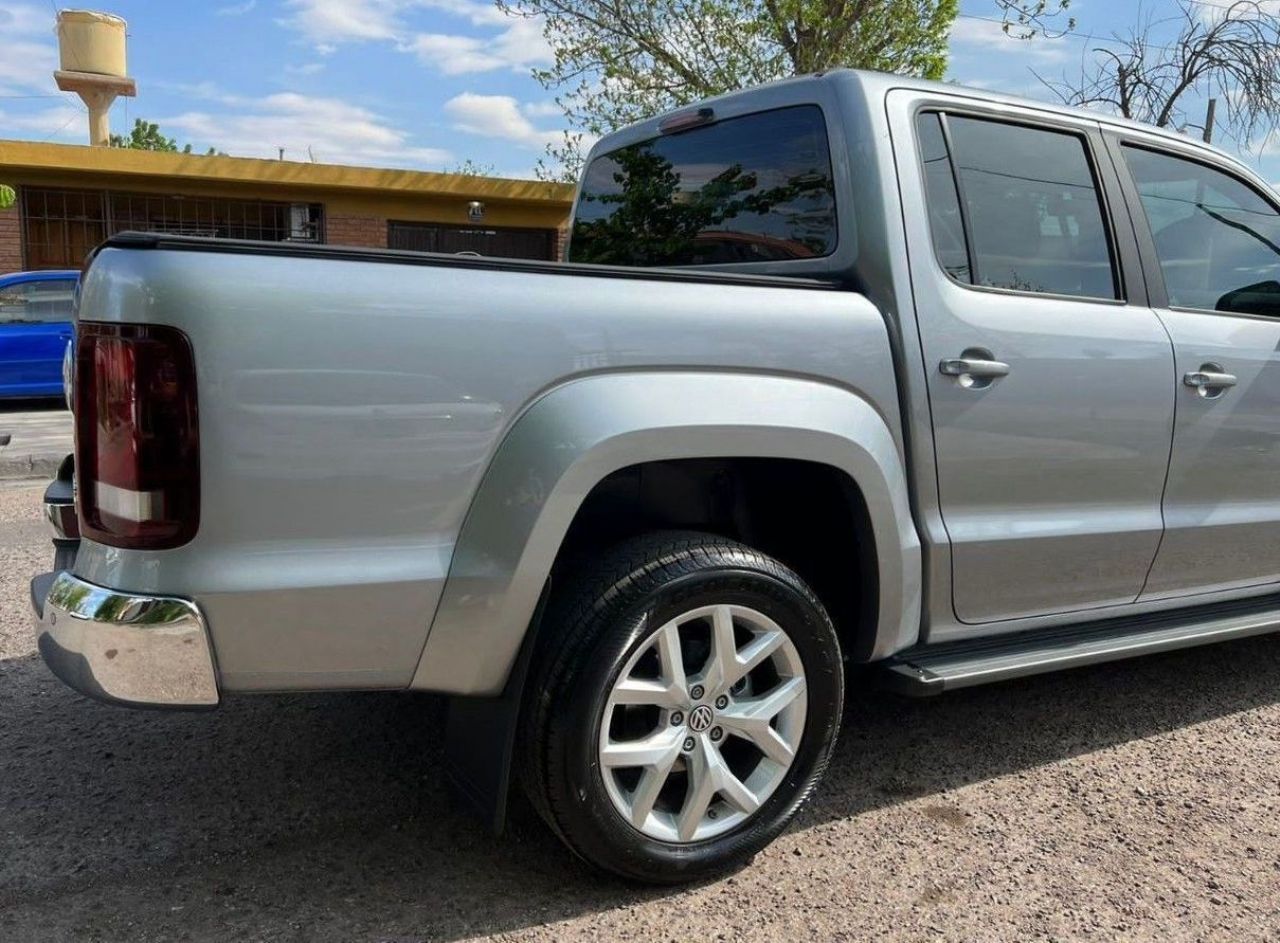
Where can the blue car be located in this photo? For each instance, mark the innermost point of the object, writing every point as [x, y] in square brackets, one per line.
[35, 327]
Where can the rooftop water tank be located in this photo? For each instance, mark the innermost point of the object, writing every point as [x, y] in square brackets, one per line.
[91, 42]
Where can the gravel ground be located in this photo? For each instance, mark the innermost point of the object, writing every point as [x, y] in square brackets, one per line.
[1137, 801]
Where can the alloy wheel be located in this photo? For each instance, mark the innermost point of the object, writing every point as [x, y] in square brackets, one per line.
[702, 723]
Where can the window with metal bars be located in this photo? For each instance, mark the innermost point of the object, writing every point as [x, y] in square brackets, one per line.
[60, 227]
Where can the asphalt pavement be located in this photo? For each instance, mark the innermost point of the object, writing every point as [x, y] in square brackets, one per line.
[1135, 801]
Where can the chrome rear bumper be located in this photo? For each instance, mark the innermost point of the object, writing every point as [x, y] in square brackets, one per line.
[125, 648]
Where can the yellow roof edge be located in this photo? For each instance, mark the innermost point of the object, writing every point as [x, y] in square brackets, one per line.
[125, 163]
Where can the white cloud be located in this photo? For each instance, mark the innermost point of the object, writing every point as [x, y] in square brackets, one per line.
[972, 36]
[25, 19]
[27, 67]
[519, 43]
[496, 116]
[455, 55]
[327, 23]
[328, 129]
[504, 42]
[542, 109]
[65, 124]
[306, 68]
[514, 48]
[237, 9]
[28, 56]
[1210, 11]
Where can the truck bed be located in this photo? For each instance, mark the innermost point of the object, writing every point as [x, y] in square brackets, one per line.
[351, 401]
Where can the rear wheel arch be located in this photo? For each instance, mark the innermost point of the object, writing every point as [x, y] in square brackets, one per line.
[812, 518]
[579, 435]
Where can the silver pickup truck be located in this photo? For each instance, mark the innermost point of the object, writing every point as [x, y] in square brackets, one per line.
[849, 371]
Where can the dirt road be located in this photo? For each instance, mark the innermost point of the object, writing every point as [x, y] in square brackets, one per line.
[1138, 801]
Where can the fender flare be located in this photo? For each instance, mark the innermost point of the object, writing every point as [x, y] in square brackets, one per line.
[579, 433]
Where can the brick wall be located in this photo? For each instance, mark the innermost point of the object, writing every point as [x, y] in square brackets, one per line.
[10, 241]
[562, 239]
[343, 230]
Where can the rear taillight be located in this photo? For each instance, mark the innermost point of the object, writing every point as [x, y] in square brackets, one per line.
[137, 441]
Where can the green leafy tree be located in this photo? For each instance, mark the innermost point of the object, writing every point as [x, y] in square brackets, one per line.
[8, 196]
[146, 136]
[619, 61]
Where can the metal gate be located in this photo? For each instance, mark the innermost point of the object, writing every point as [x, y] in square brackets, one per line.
[482, 240]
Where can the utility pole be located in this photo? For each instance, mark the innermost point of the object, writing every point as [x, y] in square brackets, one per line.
[1208, 120]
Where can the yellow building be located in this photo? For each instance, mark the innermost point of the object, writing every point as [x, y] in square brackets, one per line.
[70, 198]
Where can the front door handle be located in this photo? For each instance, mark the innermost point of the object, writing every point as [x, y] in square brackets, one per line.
[1210, 380]
[974, 367]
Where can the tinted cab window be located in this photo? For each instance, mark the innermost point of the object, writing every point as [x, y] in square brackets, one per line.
[1026, 200]
[1217, 239]
[751, 189]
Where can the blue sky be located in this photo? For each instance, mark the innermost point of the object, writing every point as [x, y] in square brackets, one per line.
[415, 83]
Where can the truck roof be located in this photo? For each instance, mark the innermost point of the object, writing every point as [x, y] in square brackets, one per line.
[875, 85]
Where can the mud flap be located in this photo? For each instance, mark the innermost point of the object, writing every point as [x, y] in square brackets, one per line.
[480, 736]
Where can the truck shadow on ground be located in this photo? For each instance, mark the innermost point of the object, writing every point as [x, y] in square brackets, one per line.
[327, 817]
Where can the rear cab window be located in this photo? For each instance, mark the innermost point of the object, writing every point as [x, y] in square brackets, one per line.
[756, 188]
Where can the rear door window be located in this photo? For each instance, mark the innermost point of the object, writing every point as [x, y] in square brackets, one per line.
[753, 189]
[1029, 203]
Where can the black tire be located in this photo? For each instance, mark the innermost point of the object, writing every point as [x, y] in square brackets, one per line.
[604, 613]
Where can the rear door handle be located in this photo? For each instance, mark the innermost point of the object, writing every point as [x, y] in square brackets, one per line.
[1210, 379]
[979, 369]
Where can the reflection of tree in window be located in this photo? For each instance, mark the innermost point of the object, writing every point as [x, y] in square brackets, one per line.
[676, 201]
[653, 221]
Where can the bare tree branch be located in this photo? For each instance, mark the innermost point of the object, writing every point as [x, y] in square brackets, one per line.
[1230, 53]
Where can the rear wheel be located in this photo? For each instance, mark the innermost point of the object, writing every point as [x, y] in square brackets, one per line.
[685, 706]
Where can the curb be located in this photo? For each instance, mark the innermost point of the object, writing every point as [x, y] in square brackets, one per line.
[29, 466]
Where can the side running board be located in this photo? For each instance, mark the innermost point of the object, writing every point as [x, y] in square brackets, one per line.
[932, 669]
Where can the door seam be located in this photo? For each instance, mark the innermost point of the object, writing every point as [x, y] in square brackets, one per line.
[1173, 435]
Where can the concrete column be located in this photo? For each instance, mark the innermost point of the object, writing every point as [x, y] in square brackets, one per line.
[97, 92]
